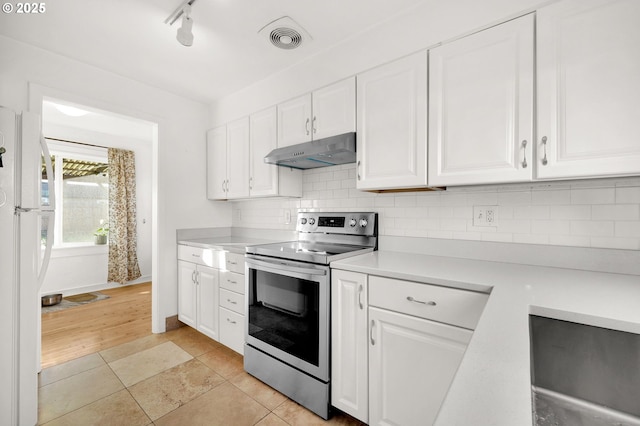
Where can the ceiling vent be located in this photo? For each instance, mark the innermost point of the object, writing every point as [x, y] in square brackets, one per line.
[285, 33]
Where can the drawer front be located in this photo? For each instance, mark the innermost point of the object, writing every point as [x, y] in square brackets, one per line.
[201, 256]
[449, 305]
[232, 281]
[232, 330]
[234, 262]
[232, 301]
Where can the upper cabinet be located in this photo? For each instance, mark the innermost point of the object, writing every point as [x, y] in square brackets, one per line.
[227, 161]
[267, 179]
[588, 68]
[392, 125]
[481, 106]
[217, 163]
[325, 112]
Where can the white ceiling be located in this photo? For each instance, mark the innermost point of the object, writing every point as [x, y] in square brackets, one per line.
[131, 39]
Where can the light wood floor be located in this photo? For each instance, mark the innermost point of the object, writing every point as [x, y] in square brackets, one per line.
[82, 330]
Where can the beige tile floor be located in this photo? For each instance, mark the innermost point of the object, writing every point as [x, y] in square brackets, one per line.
[176, 378]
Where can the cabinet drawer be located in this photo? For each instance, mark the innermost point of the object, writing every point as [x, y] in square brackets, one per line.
[449, 305]
[232, 330]
[232, 301]
[232, 281]
[234, 262]
[202, 256]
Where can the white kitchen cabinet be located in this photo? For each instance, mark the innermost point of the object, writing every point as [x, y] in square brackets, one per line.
[198, 298]
[228, 161]
[217, 163]
[238, 158]
[392, 125]
[349, 347]
[412, 362]
[588, 90]
[481, 97]
[325, 112]
[396, 345]
[267, 179]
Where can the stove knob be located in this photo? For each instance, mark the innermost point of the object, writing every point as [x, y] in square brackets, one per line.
[312, 221]
[363, 223]
[352, 223]
[303, 221]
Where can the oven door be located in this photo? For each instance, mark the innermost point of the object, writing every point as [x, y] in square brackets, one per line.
[288, 312]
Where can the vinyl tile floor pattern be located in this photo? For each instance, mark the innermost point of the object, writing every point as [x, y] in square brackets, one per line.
[180, 377]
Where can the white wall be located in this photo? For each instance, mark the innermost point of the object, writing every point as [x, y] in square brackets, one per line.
[82, 269]
[179, 180]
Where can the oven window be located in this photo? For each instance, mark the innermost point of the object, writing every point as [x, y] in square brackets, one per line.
[283, 312]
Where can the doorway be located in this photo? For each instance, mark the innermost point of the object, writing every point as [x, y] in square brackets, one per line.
[82, 132]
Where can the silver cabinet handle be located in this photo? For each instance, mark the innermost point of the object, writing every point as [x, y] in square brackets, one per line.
[232, 302]
[251, 183]
[195, 255]
[373, 342]
[524, 148]
[306, 126]
[430, 302]
[231, 321]
[231, 262]
[544, 145]
[232, 282]
[360, 298]
[197, 277]
[193, 277]
[223, 190]
[358, 169]
[313, 124]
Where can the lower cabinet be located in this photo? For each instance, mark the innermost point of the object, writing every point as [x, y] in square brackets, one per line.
[396, 346]
[412, 362]
[211, 294]
[198, 297]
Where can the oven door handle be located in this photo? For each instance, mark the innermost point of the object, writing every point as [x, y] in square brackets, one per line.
[284, 268]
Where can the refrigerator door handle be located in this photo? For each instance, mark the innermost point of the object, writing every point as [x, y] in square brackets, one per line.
[50, 176]
[50, 215]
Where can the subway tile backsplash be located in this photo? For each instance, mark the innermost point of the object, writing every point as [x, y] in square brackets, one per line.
[600, 213]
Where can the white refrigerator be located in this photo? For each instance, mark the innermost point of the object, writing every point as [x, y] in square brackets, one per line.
[27, 203]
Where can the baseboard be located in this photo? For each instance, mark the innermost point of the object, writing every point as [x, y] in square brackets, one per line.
[172, 323]
[97, 287]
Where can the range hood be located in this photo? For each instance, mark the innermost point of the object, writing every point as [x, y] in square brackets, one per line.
[325, 152]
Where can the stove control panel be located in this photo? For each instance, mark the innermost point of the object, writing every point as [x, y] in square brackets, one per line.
[338, 223]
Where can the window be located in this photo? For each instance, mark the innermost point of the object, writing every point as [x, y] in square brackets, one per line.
[82, 190]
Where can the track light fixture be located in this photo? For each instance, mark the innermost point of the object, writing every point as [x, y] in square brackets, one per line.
[185, 33]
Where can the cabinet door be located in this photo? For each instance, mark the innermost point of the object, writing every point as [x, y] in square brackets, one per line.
[481, 107]
[217, 163]
[208, 301]
[187, 294]
[588, 101]
[349, 367]
[392, 125]
[334, 109]
[294, 121]
[412, 362]
[238, 158]
[264, 138]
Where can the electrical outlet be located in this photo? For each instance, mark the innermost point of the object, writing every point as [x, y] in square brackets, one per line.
[287, 217]
[485, 215]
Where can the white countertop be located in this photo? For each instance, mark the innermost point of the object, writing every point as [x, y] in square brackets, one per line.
[493, 383]
[233, 244]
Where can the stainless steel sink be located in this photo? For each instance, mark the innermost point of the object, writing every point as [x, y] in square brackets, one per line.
[583, 375]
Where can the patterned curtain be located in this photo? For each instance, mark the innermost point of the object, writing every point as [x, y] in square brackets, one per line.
[123, 235]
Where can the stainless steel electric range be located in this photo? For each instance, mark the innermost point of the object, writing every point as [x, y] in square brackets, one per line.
[289, 304]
